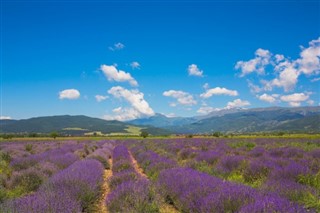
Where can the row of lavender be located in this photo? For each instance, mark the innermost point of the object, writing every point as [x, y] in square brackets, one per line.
[277, 171]
[130, 191]
[289, 168]
[194, 175]
[63, 177]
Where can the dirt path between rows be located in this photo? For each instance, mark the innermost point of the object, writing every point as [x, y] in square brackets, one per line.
[165, 208]
[137, 167]
[105, 189]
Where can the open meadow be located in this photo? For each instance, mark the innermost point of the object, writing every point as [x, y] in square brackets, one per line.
[161, 175]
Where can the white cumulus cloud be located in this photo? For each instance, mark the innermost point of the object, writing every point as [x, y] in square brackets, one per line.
[182, 97]
[295, 99]
[71, 94]
[123, 114]
[133, 97]
[100, 98]
[309, 61]
[285, 71]
[237, 103]
[218, 91]
[113, 74]
[268, 98]
[295, 104]
[206, 109]
[257, 64]
[288, 77]
[194, 70]
[2, 117]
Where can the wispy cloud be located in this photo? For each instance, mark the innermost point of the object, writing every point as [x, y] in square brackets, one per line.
[170, 115]
[206, 86]
[113, 74]
[116, 46]
[315, 79]
[182, 97]
[100, 98]
[237, 103]
[311, 102]
[135, 65]
[193, 70]
[71, 94]
[206, 110]
[254, 88]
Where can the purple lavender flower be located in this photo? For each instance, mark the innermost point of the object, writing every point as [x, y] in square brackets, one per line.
[132, 196]
[272, 203]
[208, 156]
[229, 163]
[187, 189]
[121, 177]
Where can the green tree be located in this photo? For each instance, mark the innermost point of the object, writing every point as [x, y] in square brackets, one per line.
[33, 135]
[144, 134]
[54, 135]
[217, 134]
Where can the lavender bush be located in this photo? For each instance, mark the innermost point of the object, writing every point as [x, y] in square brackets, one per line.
[133, 196]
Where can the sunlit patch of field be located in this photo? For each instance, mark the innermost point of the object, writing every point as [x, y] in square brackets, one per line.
[75, 129]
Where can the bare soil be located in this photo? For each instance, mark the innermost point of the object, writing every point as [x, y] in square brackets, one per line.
[106, 190]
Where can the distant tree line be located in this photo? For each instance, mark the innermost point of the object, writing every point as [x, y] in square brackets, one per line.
[145, 134]
[30, 135]
[53, 135]
[235, 134]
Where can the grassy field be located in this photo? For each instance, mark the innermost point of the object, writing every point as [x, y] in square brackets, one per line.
[134, 133]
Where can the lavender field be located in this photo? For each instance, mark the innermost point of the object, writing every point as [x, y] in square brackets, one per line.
[161, 175]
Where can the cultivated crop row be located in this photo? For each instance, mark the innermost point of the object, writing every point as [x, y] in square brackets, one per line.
[131, 192]
[165, 175]
[234, 175]
[65, 178]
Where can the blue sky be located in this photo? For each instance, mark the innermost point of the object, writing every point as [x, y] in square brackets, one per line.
[129, 59]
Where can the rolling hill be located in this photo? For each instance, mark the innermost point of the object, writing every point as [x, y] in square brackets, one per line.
[302, 119]
[298, 119]
[74, 125]
[159, 120]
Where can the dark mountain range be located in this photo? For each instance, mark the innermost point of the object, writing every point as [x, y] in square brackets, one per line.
[298, 119]
[159, 120]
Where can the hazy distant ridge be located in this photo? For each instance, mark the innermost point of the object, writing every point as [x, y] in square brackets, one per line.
[300, 119]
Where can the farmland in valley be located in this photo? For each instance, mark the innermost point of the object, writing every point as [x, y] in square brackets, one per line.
[161, 175]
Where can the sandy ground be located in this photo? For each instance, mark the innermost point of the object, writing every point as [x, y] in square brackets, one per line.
[137, 167]
[106, 189]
